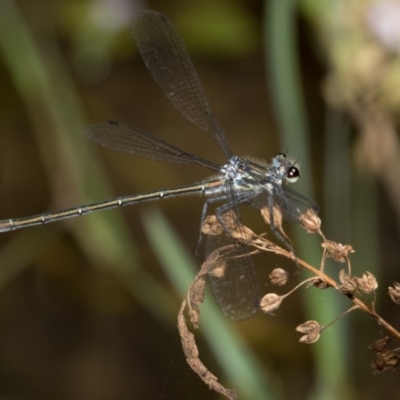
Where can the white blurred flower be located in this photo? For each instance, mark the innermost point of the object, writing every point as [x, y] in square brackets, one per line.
[383, 21]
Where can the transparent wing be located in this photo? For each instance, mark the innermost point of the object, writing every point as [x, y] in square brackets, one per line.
[169, 63]
[118, 136]
[291, 203]
[295, 204]
[233, 279]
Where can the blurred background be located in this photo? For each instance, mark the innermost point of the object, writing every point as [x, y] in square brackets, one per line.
[88, 306]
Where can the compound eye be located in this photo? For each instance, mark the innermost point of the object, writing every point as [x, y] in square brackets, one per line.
[292, 174]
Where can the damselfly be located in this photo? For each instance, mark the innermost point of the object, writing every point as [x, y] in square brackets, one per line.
[241, 180]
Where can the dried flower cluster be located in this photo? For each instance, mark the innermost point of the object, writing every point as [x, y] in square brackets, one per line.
[387, 359]
[353, 287]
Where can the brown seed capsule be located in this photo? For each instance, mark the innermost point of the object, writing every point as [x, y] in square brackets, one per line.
[270, 302]
[387, 360]
[211, 226]
[367, 283]
[277, 219]
[278, 277]
[394, 292]
[230, 220]
[380, 344]
[312, 329]
[242, 234]
[218, 270]
[276, 215]
[337, 251]
[308, 326]
[349, 283]
[310, 338]
[310, 221]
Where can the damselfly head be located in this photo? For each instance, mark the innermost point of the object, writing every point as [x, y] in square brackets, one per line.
[285, 167]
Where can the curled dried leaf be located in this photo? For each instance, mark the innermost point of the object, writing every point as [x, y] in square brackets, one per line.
[367, 283]
[279, 277]
[270, 302]
[394, 292]
[310, 221]
[337, 251]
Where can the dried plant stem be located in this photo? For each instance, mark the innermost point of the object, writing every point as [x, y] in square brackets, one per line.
[192, 357]
[271, 247]
[194, 298]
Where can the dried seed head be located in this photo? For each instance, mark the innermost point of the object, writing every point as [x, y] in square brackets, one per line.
[211, 226]
[218, 269]
[337, 251]
[310, 221]
[237, 230]
[270, 302]
[276, 215]
[394, 292]
[380, 344]
[319, 283]
[234, 227]
[349, 283]
[387, 360]
[230, 219]
[308, 327]
[279, 277]
[310, 338]
[242, 234]
[367, 283]
[276, 219]
[312, 329]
